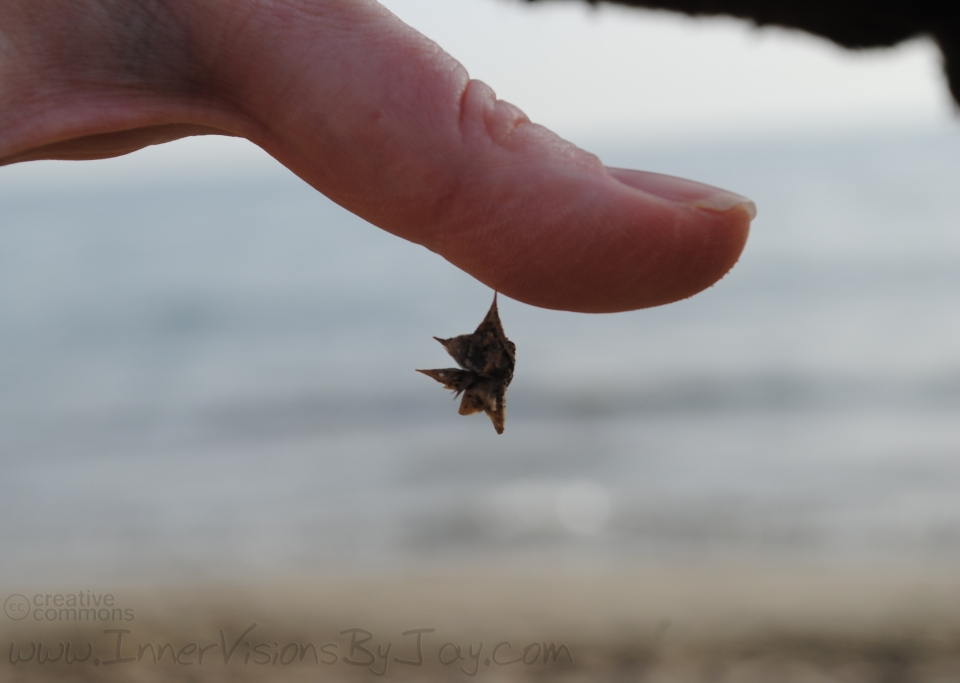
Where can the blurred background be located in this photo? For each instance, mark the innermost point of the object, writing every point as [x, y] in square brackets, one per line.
[207, 368]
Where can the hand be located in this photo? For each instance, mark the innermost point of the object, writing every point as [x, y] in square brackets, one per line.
[378, 118]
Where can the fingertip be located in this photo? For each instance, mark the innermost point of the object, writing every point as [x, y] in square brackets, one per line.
[683, 191]
[617, 240]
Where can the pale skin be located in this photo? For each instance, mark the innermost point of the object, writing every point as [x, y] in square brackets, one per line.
[376, 117]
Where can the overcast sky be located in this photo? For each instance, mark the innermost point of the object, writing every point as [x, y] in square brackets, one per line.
[609, 73]
[582, 70]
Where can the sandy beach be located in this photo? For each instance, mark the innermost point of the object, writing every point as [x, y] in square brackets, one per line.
[665, 622]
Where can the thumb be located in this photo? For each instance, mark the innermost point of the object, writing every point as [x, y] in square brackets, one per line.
[382, 121]
[385, 123]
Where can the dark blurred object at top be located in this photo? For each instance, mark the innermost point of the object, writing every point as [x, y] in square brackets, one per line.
[851, 23]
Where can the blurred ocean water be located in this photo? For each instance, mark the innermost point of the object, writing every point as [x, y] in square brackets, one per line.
[214, 374]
